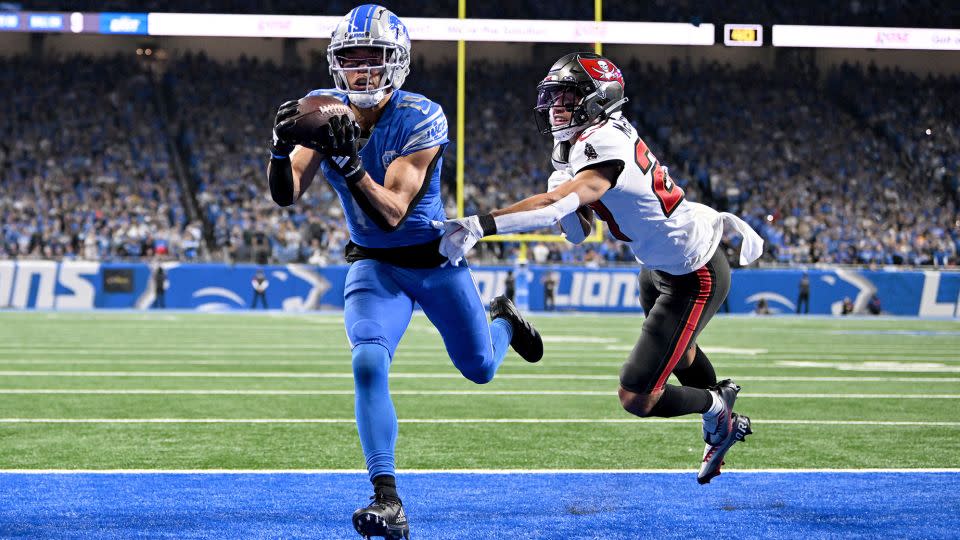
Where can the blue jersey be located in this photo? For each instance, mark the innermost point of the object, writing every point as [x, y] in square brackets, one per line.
[409, 123]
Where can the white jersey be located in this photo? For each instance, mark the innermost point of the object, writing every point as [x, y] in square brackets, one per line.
[646, 209]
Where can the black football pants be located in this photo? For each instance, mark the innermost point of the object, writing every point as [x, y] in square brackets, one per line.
[677, 308]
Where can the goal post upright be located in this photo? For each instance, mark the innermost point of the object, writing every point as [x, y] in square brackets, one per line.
[597, 235]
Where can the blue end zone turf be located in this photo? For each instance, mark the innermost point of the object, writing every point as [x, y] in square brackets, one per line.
[485, 506]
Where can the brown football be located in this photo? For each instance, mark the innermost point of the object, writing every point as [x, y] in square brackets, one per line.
[314, 112]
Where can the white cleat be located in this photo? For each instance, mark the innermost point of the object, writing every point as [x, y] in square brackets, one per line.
[713, 454]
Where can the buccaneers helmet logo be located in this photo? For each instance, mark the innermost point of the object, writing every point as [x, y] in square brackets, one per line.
[605, 71]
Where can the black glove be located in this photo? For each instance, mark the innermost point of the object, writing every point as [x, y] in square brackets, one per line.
[282, 144]
[339, 142]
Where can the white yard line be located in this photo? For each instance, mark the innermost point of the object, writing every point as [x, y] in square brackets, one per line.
[450, 375]
[459, 421]
[471, 471]
[261, 392]
[913, 366]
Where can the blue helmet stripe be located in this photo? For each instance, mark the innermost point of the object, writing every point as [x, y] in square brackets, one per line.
[360, 21]
[353, 20]
[361, 18]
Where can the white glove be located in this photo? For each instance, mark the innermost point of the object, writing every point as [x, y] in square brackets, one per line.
[459, 237]
[558, 178]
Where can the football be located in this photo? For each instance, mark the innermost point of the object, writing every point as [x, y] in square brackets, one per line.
[314, 112]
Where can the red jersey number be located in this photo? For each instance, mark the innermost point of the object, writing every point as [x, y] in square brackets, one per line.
[668, 193]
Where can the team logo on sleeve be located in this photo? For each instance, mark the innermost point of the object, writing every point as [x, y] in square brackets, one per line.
[590, 151]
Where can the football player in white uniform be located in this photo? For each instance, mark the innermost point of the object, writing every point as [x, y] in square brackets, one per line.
[603, 166]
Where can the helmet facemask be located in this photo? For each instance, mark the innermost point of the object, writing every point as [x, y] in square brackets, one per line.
[560, 110]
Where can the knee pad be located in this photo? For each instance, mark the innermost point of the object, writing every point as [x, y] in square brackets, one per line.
[367, 331]
[371, 362]
[477, 374]
[635, 378]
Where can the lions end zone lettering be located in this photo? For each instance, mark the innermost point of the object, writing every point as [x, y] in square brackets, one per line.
[592, 289]
[595, 290]
[48, 285]
[933, 290]
[214, 287]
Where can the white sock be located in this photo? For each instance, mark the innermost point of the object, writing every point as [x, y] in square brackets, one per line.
[717, 406]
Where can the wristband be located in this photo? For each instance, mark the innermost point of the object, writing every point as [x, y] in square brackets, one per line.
[488, 224]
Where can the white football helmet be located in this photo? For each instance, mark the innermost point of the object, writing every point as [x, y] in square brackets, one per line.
[371, 26]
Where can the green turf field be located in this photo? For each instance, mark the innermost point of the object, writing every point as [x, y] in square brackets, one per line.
[275, 392]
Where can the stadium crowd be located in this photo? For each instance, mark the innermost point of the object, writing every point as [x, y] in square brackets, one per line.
[829, 167]
[814, 172]
[85, 169]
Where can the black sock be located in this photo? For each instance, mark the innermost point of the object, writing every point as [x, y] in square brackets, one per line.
[681, 400]
[386, 486]
[699, 374]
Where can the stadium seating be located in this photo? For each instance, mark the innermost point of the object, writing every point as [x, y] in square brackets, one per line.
[829, 167]
[86, 173]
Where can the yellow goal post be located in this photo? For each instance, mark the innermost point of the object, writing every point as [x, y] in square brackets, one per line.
[598, 233]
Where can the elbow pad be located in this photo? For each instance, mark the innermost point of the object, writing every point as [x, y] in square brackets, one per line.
[280, 176]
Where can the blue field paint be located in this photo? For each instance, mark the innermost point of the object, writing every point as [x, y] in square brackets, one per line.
[485, 506]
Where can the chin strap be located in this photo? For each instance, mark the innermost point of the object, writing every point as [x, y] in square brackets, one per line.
[360, 99]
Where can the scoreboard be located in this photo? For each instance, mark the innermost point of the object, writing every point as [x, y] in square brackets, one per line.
[743, 35]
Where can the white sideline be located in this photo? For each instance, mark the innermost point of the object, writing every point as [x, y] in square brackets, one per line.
[165, 392]
[448, 375]
[459, 421]
[472, 471]
[914, 365]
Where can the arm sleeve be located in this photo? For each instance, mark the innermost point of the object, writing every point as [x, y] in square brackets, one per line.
[280, 176]
[541, 217]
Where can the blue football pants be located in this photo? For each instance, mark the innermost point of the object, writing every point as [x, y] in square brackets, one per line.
[378, 303]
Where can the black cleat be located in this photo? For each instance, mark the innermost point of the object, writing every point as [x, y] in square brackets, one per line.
[384, 517]
[713, 454]
[716, 428]
[526, 340]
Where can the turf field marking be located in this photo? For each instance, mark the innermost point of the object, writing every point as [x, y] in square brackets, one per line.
[708, 350]
[577, 339]
[459, 421]
[215, 392]
[726, 365]
[855, 352]
[733, 351]
[471, 471]
[917, 333]
[916, 367]
[518, 376]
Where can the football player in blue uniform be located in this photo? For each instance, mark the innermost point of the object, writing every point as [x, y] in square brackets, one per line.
[385, 168]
